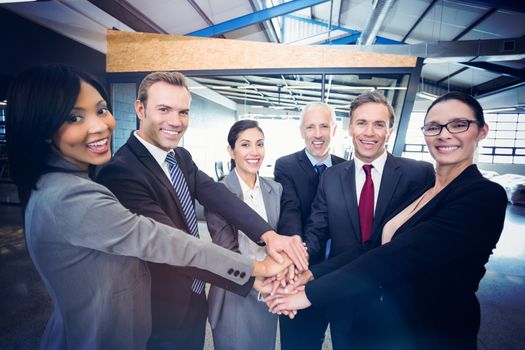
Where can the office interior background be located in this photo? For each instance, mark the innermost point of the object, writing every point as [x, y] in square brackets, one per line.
[474, 46]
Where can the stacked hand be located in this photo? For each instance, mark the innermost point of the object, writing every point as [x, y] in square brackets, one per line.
[284, 292]
[281, 277]
[291, 245]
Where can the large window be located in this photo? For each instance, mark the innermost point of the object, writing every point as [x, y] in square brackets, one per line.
[275, 98]
[505, 143]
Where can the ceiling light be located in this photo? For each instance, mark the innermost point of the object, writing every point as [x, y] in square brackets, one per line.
[426, 95]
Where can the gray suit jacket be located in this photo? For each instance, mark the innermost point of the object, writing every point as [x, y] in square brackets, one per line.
[89, 249]
[225, 234]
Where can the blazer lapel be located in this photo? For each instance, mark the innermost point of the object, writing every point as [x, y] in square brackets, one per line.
[270, 197]
[389, 180]
[469, 174]
[231, 181]
[350, 197]
[308, 169]
[153, 168]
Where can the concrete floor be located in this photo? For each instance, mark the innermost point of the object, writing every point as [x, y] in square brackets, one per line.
[25, 305]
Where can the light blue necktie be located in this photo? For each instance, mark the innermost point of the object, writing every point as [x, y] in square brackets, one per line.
[182, 191]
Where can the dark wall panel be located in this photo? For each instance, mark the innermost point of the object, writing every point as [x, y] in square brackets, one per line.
[25, 44]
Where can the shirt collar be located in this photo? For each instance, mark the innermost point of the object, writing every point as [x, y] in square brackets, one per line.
[327, 161]
[378, 163]
[244, 187]
[158, 153]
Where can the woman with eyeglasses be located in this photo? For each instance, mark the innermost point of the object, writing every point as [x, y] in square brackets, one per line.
[420, 284]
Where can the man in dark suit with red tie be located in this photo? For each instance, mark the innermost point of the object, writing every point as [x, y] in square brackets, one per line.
[299, 174]
[355, 198]
[152, 176]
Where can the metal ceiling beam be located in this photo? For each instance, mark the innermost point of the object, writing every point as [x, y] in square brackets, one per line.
[337, 6]
[201, 12]
[429, 7]
[459, 71]
[496, 86]
[375, 21]
[453, 51]
[350, 39]
[509, 5]
[266, 28]
[129, 15]
[498, 69]
[475, 23]
[321, 23]
[256, 17]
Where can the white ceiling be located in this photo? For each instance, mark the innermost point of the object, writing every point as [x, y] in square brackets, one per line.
[85, 22]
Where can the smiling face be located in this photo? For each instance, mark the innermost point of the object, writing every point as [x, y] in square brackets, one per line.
[317, 130]
[85, 137]
[248, 153]
[454, 149]
[164, 118]
[369, 130]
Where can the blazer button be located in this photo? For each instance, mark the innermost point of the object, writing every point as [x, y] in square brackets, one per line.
[236, 273]
[242, 274]
[230, 271]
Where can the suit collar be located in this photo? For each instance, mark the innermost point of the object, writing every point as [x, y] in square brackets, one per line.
[232, 182]
[389, 180]
[157, 153]
[347, 178]
[468, 175]
[306, 165]
[149, 162]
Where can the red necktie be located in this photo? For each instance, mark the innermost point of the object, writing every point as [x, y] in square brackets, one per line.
[366, 204]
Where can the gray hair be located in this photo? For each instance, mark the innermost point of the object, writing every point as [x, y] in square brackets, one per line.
[316, 105]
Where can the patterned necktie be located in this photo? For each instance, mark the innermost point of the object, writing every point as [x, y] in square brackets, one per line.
[183, 193]
[319, 168]
[366, 204]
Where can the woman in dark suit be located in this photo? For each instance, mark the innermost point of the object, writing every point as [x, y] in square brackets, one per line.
[420, 285]
[88, 249]
[234, 319]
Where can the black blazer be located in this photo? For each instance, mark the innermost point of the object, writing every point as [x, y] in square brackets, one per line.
[424, 281]
[140, 184]
[335, 213]
[299, 180]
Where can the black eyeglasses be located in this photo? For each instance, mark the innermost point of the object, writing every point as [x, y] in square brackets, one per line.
[454, 127]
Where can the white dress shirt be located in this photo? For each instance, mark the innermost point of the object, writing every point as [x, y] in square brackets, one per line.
[327, 161]
[253, 197]
[157, 153]
[377, 173]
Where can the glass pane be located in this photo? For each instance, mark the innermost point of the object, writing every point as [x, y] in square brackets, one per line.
[484, 159]
[519, 160]
[505, 142]
[503, 159]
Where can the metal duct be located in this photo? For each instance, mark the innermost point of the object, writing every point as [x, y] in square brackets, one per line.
[375, 20]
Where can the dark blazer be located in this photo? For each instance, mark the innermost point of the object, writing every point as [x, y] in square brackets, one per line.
[140, 184]
[427, 276]
[299, 180]
[335, 213]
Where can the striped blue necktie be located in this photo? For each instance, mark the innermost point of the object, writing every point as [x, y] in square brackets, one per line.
[182, 191]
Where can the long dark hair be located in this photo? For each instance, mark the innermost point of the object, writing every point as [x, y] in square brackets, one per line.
[39, 101]
[236, 129]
